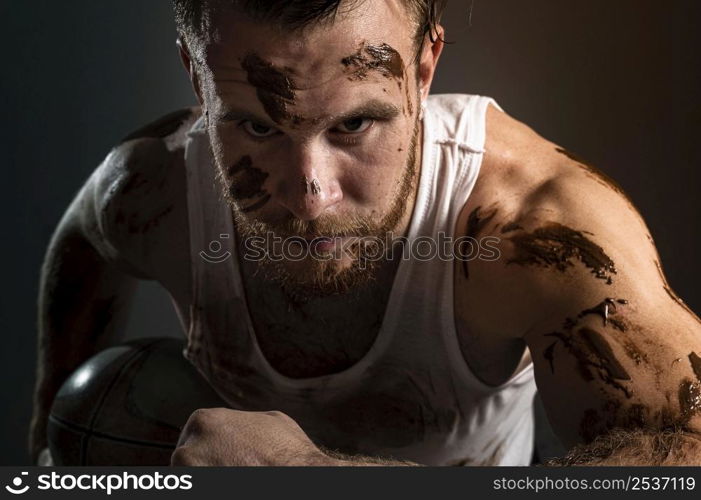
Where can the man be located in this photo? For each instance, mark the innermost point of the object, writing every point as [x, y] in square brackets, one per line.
[288, 217]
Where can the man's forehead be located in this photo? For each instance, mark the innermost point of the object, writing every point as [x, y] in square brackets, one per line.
[378, 32]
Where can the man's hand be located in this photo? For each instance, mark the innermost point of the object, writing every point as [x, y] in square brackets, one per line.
[224, 437]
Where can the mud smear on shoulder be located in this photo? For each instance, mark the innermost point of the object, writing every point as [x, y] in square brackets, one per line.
[557, 246]
[274, 87]
[600, 176]
[476, 222]
[246, 182]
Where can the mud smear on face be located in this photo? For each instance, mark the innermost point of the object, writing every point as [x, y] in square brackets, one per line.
[556, 246]
[600, 176]
[274, 88]
[476, 222]
[382, 59]
[246, 182]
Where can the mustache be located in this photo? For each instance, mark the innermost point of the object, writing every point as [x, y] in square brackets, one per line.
[325, 226]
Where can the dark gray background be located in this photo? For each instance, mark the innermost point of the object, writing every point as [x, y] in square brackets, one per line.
[615, 81]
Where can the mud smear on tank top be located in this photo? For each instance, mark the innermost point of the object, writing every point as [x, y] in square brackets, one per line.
[476, 223]
[246, 182]
[274, 87]
[556, 246]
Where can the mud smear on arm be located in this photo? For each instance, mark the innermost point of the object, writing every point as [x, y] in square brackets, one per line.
[597, 174]
[594, 356]
[557, 246]
[476, 222]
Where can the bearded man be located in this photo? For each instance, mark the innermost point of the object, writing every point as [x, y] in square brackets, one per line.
[299, 218]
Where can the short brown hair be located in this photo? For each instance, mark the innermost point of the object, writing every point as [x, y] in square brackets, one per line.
[192, 16]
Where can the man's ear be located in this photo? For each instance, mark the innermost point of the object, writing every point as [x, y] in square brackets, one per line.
[430, 54]
[187, 61]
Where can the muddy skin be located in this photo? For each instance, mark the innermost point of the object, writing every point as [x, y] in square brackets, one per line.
[145, 226]
[476, 223]
[695, 361]
[274, 88]
[592, 351]
[611, 415]
[601, 347]
[598, 174]
[548, 355]
[689, 399]
[161, 128]
[247, 182]
[634, 353]
[604, 309]
[510, 227]
[557, 246]
[589, 425]
[671, 293]
[380, 58]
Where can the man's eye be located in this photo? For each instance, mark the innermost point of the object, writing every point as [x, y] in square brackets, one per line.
[258, 130]
[355, 126]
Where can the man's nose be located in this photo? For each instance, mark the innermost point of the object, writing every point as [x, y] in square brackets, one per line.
[309, 184]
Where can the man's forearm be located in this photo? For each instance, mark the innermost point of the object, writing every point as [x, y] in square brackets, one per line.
[637, 448]
[81, 307]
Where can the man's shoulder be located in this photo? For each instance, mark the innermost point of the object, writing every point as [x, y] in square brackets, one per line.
[524, 173]
[139, 190]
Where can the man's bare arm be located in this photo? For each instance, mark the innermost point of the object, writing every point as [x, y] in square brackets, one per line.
[81, 305]
[107, 239]
[616, 352]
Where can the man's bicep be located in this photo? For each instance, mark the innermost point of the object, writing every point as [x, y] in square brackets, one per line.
[616, 348]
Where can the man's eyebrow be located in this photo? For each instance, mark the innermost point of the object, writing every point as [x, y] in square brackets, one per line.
[235, 115]
[377, 109]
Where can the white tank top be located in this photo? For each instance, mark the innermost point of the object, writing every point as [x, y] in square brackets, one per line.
[412, 396]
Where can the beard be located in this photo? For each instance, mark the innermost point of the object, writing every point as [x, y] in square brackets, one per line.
[317, 274]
